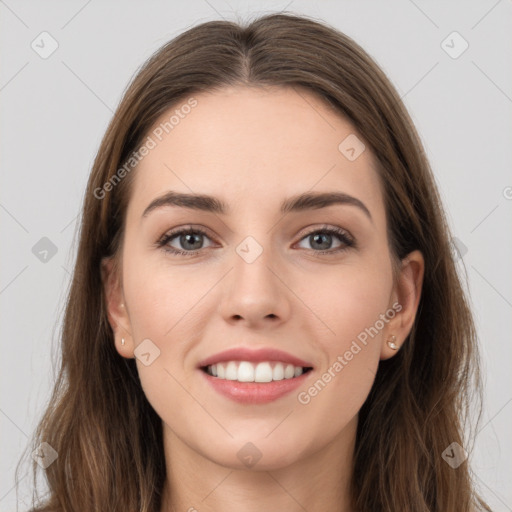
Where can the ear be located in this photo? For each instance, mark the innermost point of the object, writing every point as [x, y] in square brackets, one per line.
[117, 310]
[405, 299]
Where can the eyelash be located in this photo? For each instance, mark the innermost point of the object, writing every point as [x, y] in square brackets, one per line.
[341, 234]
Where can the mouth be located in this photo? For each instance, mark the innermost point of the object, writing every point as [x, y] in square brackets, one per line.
[261, 372]
[255, 383]
[254, 376]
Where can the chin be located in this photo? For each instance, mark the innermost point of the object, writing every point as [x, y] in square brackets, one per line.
[260, 454]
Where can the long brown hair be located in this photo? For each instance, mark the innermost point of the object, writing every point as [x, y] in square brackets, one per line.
[108, 437]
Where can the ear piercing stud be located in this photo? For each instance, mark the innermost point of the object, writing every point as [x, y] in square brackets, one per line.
[391, 342]
[122, 341]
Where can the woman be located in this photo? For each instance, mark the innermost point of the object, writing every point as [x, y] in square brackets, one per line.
[312, 348]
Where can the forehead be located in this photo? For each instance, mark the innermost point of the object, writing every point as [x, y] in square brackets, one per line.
[251, 146]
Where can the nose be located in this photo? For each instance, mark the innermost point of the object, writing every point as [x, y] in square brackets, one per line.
[255, 293]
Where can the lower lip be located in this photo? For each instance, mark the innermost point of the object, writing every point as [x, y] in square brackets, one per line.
[255, 392]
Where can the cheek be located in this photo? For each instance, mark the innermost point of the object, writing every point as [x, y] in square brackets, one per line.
[352, 304]
[347, 302]
[171, 307]
[163, 308]
[328, 405]
[159, 297]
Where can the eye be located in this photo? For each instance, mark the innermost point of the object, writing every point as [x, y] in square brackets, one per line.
[190, 239]
[322, 239]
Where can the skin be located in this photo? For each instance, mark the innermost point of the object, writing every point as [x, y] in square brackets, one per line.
[254, 148]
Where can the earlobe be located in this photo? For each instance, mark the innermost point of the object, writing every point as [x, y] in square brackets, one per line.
[391, 342]
[407, 293]
[116, 310]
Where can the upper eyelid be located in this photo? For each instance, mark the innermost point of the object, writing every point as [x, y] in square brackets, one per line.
[172, 233]
[325, 227]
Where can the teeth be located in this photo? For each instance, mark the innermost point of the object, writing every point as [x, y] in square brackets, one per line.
[245, 371]
[278, 372]
[263, 372]
[231, 371]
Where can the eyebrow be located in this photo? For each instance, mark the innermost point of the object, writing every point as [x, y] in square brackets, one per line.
[301, 202]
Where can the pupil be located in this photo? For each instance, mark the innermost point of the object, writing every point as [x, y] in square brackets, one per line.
[325, 245]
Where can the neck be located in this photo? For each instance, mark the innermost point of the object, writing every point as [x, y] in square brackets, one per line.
[318, 482]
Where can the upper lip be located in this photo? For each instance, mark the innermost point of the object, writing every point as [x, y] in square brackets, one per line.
[254, 355]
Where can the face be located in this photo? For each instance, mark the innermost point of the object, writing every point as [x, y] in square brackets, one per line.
[313, 281]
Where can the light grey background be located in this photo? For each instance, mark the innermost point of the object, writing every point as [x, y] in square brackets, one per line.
[55, 111]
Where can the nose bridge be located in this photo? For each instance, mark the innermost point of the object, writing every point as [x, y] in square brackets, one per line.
[251, 264]
[255, 290]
